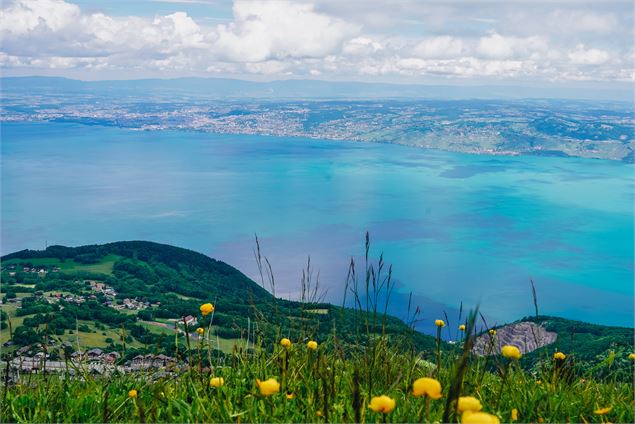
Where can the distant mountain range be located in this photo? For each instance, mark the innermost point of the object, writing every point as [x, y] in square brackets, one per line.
[225, 88]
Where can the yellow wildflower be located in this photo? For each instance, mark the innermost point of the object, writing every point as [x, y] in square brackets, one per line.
[511, 352]
[468, 403]
[462, 327]
[492, 332]
[559, 356]
[207, 309]
[538, 382]
[217, 382]
[427, 387]
[319, 413]
[286, 342]
[439, 323]
[603, 411]
[631, 356]
[469, 417]
[541, 420]
[312, 345]
[268, 387]
[290, 395]
[132, 393]
[200, 331]
[382, 404]
[514, 414]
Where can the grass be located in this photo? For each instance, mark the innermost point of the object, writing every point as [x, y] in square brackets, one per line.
[335, 382]
[94, 338]
[325, 385]
[104, 266]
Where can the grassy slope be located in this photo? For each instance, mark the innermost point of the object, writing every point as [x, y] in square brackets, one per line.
[103, 267]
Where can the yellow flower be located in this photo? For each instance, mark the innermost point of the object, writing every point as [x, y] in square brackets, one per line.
[383, 404]
[469, 417]
[268, 387]
[217, 382]
[511, 352]
[541, 420]
[290, 396]
[286, 342]
[427, 387]
[603, 411]
[312, 345]
[462, 327]
[207, 309]
[538, 382]
[132, 393]
[514, 414]
[631, 356]
[469, 403]
[492, 332]
[200, 330]
[559, 356]
[439, 323]
[319, 413]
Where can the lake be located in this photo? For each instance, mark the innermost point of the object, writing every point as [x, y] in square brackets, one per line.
[455, 227]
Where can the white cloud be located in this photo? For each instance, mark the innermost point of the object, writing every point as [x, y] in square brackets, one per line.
[361, 46]
[264, 30]
[439, 47]
[328, 39]
[497, 46]
[584, 56]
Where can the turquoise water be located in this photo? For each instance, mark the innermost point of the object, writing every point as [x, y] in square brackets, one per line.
[455, 227]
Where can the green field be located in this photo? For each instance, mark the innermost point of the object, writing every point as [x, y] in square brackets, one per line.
[103, 267]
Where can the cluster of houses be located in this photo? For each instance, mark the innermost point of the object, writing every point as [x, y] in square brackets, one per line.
[70, 298]
[95, 355]
[100, 287]
[41, 270]
[142, 362]
[94, 360]
[132, 304]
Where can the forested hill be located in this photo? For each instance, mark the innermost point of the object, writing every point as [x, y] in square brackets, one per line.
[154, 267]
[147, 288]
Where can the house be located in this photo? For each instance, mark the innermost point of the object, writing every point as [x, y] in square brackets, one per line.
[94, 354]
[78, 355]
[190, 320]
[111, 357]
[23, 350]
[137, 360]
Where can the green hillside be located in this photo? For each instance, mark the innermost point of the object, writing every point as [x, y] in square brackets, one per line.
[164, 284]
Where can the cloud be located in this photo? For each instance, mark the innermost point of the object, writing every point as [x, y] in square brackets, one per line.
[583, 56]
[497, 46]
[439, 47]
[265, 30]
[325, 39]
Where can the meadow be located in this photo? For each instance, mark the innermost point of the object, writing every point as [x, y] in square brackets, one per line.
[317, 378]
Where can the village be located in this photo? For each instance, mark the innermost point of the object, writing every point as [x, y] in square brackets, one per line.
[34, 359]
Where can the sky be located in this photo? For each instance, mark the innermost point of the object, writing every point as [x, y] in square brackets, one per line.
[402, 41]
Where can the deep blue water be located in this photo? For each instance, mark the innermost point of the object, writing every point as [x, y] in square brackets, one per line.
[455, 227]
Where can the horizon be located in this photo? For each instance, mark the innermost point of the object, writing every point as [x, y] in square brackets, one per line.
[573, 91]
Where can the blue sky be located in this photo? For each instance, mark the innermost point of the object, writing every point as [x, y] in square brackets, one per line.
[447, 42]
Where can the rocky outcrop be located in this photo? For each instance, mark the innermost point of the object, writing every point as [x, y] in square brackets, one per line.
[526, 336]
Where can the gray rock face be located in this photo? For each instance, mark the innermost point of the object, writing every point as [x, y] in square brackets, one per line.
[526, 336]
